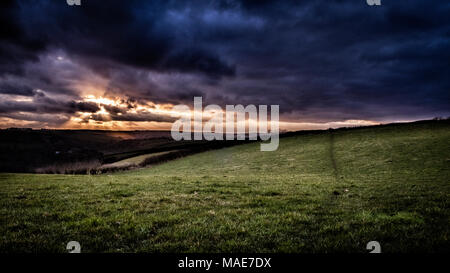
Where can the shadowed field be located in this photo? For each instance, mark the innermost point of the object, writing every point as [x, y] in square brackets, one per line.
[332, 191]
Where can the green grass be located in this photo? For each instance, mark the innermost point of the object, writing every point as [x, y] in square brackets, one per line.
[134, 160]
[328, 192]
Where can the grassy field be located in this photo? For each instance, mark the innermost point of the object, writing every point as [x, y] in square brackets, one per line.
[328, 192]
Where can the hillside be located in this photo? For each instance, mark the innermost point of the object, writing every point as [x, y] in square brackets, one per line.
[330, 191]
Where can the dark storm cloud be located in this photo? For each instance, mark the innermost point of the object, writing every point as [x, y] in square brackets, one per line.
[40, 120]
[42, 104]
[139, 116]
[319, 60]
[123, 31]
[142, 116]
[114, 110]
[16, 89]
[84, 106]
[340, 59]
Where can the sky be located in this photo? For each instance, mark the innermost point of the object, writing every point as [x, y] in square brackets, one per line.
[123, 65]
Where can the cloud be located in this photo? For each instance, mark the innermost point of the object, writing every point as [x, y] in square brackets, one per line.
[142, 116]
[83, 106]
[124, 116]
[113, 31]
[16, 89]
[41, 104]
[321, 61]
[36, 120]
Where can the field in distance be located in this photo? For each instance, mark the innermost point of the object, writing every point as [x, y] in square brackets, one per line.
[332, 191]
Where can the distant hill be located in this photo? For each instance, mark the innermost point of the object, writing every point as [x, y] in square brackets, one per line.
[23, 150]
[27, 150]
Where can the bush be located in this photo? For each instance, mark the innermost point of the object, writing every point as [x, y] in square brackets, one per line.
[78, 167]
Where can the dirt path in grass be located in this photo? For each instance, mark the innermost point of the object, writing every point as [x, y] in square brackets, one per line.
[332, 156]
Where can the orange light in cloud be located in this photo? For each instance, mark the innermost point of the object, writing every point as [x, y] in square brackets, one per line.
[83, 121]
[102, 100]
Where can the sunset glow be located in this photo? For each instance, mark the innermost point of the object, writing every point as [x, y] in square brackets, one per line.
[229, 55]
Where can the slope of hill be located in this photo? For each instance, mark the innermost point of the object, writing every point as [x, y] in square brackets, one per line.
[25, 150]
[332, 191]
